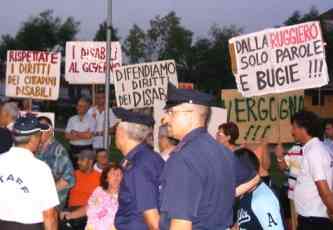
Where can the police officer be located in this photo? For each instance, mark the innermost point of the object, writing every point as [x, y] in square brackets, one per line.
[198, 181]
[28, 194]
[138, 194]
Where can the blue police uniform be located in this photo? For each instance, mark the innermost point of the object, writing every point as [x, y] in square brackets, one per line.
[139, 187]
[198, 183]
[260, 209]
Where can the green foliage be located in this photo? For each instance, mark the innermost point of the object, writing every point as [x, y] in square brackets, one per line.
[41, 32]
[134, 45]
[101, 33]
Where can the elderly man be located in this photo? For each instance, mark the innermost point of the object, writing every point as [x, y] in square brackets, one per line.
[138, 194]
[56, 156]
[165, 143]
[198, 181]
[9, 113]
[98, 115]
[87, 179]
[28, 192]
[80, 130]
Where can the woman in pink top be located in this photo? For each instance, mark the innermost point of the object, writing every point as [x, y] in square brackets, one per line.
[103, 203]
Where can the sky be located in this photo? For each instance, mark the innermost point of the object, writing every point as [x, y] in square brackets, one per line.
[198, 16]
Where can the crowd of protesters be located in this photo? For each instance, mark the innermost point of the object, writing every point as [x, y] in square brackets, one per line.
[196, 181]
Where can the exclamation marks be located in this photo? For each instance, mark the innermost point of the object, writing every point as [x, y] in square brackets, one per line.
[315, 68]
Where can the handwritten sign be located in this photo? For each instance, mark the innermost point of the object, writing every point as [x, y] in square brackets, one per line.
[139, 86]
[33, 74]
[279, 60]
[86, 61]
[265, 117]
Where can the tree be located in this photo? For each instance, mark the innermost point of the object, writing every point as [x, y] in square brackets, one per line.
[41, 32]
[297, 17]
[167, 38]
[214, 66]
[134, 45]
[101, 33]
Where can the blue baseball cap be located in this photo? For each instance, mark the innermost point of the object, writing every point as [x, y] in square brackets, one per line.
[25, 126]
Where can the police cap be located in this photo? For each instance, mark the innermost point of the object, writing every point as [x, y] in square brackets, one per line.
[178, 96]
[133, 117]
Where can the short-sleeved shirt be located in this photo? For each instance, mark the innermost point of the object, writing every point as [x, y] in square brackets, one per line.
[56, 157]
[76, 124]
[98, 117]
[198, 183]
[259, 210]
[317, 165]
[139, 188]
[27, 187]
[293, 159]
[85, 185]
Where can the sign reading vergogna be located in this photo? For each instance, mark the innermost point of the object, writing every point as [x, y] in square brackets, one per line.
[263, 117]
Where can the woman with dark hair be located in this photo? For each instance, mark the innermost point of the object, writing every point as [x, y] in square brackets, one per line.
[227, 134]
[103, 203]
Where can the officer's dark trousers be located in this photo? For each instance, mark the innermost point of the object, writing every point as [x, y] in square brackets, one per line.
[314, 223]
[8, 225]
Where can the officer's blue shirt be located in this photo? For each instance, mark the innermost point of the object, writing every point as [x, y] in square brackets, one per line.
[260, 209]
[198, 183]
[139, 187]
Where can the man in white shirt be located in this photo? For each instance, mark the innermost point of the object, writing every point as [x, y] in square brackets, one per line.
[312, 195]
[98, 115]
[9, 113]
[28, 194]
[80, 130]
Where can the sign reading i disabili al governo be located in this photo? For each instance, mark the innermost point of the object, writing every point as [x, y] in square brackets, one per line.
[86, 61]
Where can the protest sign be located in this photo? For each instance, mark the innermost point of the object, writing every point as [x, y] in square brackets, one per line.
[139, 86]
[33, 74]
[86, 61]
[279, 60]
[39, 114]
[263, 117]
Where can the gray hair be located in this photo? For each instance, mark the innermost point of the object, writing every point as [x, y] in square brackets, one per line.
[136, 132]
[12, 109]
[22, 140]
